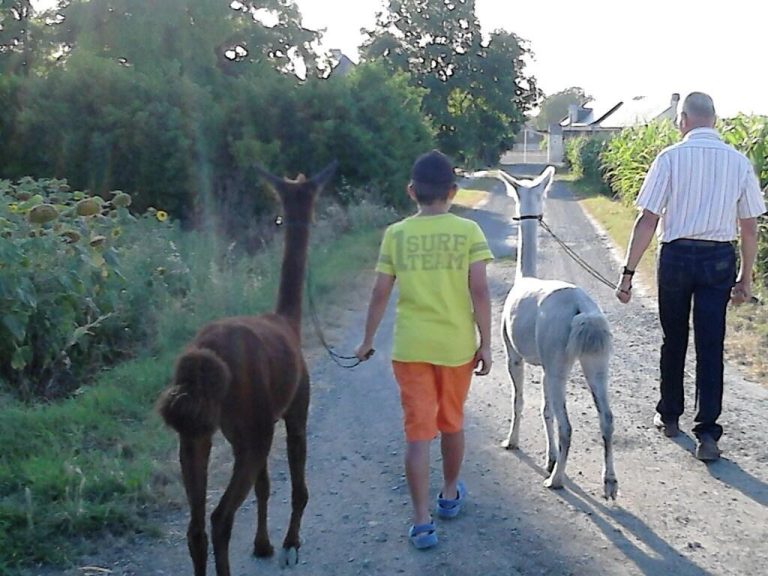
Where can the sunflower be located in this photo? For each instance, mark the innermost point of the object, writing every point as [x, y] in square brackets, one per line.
[161, 215]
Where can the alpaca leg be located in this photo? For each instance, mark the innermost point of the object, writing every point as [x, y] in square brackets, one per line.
[247, 468]
[262, 548]
[549, 424]
[296, 436]
[555, 388]
[193, 456]
[596, 372]
[516, 369]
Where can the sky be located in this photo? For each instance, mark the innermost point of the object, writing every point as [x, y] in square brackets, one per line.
[613, 49]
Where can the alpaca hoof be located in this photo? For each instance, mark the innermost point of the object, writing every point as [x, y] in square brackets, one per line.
[553, 484]
[263, 549]
[509, 444]
[610, 488]
[289, 557]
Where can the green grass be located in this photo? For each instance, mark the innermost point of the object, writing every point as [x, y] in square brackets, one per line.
[617, 219]
[81, 466]
[102, 461]
[469, 197]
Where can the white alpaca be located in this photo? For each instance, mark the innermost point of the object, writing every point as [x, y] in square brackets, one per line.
[550, 323]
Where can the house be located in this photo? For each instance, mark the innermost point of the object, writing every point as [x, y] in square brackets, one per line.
[341, 65]
[606, 118]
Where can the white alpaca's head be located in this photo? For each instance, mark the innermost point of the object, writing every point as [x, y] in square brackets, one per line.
[529, 194]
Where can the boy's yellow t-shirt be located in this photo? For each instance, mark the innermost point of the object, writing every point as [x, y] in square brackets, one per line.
[430, 257]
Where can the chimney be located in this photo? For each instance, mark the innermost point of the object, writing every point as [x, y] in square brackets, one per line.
[573, 114]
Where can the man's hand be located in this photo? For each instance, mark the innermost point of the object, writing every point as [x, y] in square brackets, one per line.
[741, 292]
[624, 289]
[483, 360]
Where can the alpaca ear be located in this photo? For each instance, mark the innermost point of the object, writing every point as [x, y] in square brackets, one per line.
[509, 178]
[271, 179]
[321, 178]
[545, 178]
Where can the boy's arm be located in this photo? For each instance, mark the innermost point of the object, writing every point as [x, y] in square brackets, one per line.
[481, 303]
[382, 288]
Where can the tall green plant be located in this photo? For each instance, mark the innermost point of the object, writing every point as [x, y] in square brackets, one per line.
[750, 135]
[66, 302]
[629, 154]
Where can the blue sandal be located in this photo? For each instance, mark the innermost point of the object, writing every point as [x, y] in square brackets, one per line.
[423, 535]
[450, 507]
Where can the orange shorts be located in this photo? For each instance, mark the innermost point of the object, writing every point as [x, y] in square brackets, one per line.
[432, 397]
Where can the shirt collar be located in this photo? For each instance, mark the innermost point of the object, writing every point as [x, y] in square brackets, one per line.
[707, 133]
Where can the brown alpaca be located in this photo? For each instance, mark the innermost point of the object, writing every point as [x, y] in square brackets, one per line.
[242, 375]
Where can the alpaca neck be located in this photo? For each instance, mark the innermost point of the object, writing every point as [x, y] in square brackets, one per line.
[527, 249]
[291, 291]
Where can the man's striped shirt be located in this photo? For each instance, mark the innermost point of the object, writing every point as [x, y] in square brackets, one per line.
[700, 187]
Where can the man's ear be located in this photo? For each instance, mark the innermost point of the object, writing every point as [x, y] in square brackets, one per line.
[453, 191]
[411, 191]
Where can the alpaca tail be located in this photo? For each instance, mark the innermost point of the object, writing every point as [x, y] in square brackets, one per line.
[590, 334]
[191, 405]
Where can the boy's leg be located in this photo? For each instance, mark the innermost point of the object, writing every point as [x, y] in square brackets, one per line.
[418, 396]
[417, 474]
[452, 388]
[452, 448]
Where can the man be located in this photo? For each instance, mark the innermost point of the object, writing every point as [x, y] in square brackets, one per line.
[705, 194]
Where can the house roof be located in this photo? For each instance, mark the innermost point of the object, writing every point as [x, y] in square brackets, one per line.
[614, 114]
[591, 113]
[640, 110]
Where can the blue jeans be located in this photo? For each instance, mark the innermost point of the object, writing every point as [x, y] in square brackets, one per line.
[702, 274]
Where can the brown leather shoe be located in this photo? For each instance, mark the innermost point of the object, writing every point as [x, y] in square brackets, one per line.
[707, 449]
[670, 429]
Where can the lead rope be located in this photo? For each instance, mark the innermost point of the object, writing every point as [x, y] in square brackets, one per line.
[571, 252]
[339, 359]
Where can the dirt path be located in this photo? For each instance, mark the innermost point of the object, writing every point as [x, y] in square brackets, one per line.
[674, 515]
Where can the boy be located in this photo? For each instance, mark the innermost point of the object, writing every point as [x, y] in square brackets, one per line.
[439, 262]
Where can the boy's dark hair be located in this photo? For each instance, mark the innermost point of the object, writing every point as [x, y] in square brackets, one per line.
[432, 177]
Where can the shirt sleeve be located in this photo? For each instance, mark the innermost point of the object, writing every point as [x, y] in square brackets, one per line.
[478, 245]
[751, 203]
[654, 193]
[386, 262]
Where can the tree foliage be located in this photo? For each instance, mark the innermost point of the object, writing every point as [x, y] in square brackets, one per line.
[477, 90]
[18, 36]
[175, 101]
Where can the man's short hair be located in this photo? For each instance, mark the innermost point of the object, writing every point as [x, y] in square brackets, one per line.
[432, 177]
[699, 105]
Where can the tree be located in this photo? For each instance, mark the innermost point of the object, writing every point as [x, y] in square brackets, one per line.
[477, 92]
[195, 38]
[16, 36]
[554, 108]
